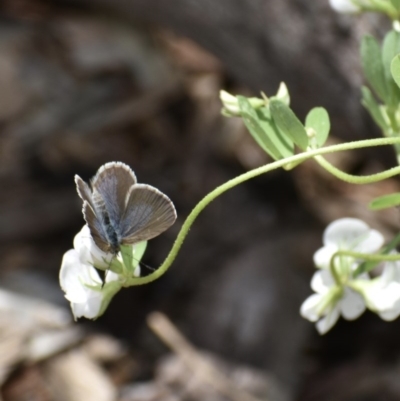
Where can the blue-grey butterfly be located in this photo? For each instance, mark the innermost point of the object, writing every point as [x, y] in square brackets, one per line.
[119, 211]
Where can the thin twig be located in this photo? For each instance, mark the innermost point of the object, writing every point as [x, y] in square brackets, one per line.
[175, 340]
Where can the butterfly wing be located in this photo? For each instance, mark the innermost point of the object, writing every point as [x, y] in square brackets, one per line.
[96, 227]
[110, 186]
[84, 191]
[94, 223]
[148, 213]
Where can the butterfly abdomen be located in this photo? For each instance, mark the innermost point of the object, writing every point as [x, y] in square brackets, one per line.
[112, 235]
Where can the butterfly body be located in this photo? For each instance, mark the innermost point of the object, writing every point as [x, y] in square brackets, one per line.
[119, 211]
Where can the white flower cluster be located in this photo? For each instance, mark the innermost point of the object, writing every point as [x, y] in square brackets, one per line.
[88, 294]
[337, 290]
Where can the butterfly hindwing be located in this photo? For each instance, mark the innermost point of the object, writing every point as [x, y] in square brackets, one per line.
[148, 213]
[96, 227]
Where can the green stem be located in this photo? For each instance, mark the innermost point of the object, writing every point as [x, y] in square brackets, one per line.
[353, 179]
[367, 266]
[377, 257]
[333, 271]
[382, 6]
[240, 179]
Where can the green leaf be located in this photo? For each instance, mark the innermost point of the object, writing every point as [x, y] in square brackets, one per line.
[371, 59]
[385, 201]
[396, 4]
[318, 120]
[132, 254]
[369, 102]
[395, 69]
[283, 144]
[138, 251]
[254, 125]
[288, 123]
[390, 49]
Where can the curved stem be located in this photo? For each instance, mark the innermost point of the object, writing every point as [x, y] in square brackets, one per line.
[332, 269]
[353, 179]
[372, 257]
[240, 179]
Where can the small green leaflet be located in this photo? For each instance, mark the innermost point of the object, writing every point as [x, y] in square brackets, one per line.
[288, 123]
[385, 201]
[395, 68]
[253, 124]
[282, 143]
[318, 120]
[131, 255]
[390, 49]
[371, 58]
[369, 102]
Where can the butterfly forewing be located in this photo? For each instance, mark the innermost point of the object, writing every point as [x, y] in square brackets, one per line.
[148, 213]
[84, 191]
[110, 186]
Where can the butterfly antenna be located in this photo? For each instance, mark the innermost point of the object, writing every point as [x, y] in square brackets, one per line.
[144, 264]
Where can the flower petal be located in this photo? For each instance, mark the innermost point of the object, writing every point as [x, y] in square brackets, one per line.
[391, 272]
[372, 241]
[382, 297]
[322, 281]
[111, 276]
[89, 309]
[352, 234]
[352, 304]
[309, 308]
[74, 274]
[326, 323]
[391, 314]
[322, 257]
[343, 231]
[344, 6]
[89, 252]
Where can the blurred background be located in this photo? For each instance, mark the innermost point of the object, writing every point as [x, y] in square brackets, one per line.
[84, 82]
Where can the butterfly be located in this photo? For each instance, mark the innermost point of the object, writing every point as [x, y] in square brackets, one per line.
[119, 211]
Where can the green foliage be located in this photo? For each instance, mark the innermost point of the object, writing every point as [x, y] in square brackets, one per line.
[395, 69]
[371, 59]
[318, 120]
[131, 255]
[282, 143]
[385, 201]
[255, 126]
[375, 110]
[396, 4]
[390, 49]
[288, 123]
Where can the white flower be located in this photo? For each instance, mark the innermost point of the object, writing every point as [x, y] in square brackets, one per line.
[347, 234]
[345, 6]
[90, 253]
[84, 288]
[383, 293]
[230, 103]
[330, 301]
[341, 294]
[79, 279]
